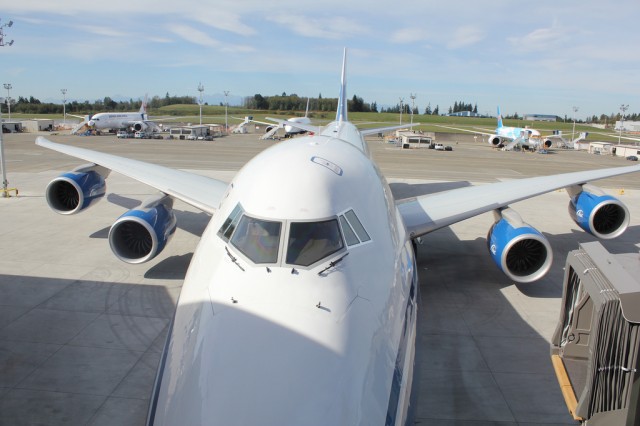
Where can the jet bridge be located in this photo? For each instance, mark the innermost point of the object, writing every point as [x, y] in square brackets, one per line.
[595, 348]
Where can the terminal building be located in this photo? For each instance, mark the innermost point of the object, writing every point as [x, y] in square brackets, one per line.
[539, 117]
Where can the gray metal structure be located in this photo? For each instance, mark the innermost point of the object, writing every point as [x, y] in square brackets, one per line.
[595, 348]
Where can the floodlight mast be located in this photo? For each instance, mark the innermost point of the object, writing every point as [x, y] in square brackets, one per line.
[624, 109]
[64, 106]
[226, 106]
[575, 109]
[5, 184]
[8, 86]
[413, 98]
[2, 42]
[200, 89]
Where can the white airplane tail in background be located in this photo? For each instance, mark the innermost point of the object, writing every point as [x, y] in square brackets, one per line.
[341, 114]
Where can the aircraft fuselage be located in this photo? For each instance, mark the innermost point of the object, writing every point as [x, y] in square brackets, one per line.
[266, 332]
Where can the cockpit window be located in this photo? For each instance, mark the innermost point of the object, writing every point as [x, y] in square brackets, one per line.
[310, 242]
[357, 226]
[257, 239]
[230, 223]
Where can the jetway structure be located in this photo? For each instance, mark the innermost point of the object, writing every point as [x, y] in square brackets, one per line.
[595, 348]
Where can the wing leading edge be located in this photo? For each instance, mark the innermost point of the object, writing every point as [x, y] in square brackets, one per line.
[201, 192]
[428, 213]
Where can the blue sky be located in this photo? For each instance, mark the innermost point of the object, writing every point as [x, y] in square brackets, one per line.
[528, 57]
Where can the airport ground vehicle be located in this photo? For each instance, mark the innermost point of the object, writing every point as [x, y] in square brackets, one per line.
[439, 147]
[632, 158]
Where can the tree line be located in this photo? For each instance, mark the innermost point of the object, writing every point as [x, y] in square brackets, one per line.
[281, 102]
[32, 105]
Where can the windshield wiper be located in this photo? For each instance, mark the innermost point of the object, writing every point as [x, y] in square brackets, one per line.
[233, 258]
[334, 263]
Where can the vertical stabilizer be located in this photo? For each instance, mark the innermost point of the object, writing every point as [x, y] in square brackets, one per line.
[341, 114]
[306, 113]
[143, 108]
[499, 118]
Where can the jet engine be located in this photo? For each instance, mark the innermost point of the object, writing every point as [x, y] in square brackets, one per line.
[76, 190]
[547, 143]
[140, 126]
[495, 140]
[519, 250]
[599, 214]
[141, 234]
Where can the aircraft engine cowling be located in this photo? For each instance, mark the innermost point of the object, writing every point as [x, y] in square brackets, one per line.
[140, 126]
[599, 214]
[141, 234]
[74, 191]
[495, 140]
[520, 251]
[547, 143]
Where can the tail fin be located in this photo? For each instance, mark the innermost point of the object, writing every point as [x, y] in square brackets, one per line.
[499, 118]
[306, 113]
[341, 114]
[143, 107]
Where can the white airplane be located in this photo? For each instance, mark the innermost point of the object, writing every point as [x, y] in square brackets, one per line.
[509, 137]
[292, 126]
[137, 121]
[299, 305]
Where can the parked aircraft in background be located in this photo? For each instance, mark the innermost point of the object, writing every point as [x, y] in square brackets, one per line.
[299, 305]
[292, 126]
[136, 121]
[510, 137]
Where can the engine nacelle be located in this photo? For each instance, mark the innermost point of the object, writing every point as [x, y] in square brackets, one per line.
[495, 140]
[599, 214]
[141, 234]
[547, 143]
[76, 190]
[139, 126]
[519, 250]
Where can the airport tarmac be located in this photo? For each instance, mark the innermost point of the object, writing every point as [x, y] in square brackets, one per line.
[81, 332]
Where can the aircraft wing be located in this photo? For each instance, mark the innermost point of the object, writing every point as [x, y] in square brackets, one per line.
[366, 132]
[301, 126]
[201, 192]
[428, 213]
[465, 130]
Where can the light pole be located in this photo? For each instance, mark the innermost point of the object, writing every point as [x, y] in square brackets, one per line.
[200, 89]
[8, 25]
[64, 106]
[575, 109]
[5, 184]
[226, 105]
[8, 86]
[413, 98]
[623, 108]
[401, 103]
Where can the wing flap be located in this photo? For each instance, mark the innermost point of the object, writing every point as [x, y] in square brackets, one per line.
[428, 213]
[201, 192]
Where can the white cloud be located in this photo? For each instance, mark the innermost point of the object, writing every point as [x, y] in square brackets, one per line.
[465, 36]
[539, 39]
[332, 28]
[194, 36]
[409, 35]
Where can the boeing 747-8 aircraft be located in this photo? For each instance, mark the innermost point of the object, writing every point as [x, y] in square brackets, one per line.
[299, 305]
[508, 137]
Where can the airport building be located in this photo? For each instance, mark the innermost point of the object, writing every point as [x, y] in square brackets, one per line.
[183, 132]
[37, 125]
[626, 150]
[628, 126]
[539, 117]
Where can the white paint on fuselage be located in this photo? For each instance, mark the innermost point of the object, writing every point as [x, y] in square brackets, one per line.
[286, 345]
